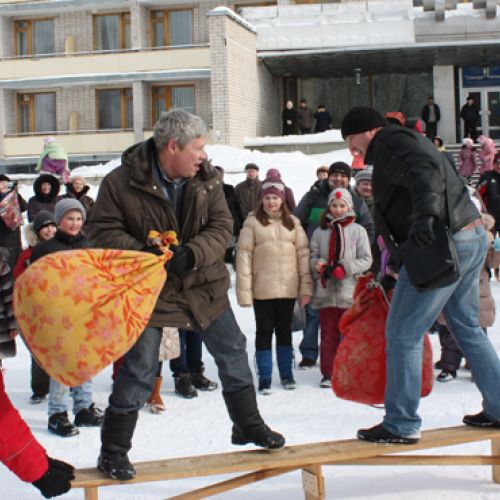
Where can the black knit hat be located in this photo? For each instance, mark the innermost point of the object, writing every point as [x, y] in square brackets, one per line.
[339, 167]
[361, 119]
[43, 218]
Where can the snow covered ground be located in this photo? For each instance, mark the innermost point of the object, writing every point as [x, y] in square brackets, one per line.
[308, 414]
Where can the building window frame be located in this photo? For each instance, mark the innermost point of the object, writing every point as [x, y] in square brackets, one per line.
[167, 95]
[165, 22]
[125, 19]
[30, 39]
[126, 97]
[28, 99]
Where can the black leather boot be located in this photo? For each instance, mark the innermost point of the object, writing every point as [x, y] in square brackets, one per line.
[116, 441]
[248, 426]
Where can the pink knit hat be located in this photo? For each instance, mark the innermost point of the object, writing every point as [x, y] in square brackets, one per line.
[273, 185]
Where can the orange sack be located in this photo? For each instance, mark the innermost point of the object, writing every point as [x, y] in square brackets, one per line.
[80, 310]
[359, 369]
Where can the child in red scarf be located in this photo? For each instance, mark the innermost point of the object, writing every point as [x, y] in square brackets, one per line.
[340, 250]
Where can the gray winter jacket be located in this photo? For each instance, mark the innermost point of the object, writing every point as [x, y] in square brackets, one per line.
[355, 259]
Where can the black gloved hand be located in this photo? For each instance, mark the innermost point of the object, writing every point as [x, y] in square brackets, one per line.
[183, 260]
[388, 283]
[421, 231]
[57, 480]
[153, 250]
[326, 274]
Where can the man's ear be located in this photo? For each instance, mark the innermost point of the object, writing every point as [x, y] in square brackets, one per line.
[172, 146]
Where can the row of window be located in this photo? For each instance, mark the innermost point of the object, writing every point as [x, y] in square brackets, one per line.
[111, 32]
[37, 111]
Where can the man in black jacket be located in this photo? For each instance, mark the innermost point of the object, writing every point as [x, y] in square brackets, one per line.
[410, 187]
[431, 114]
[470, 115]
[237, 215]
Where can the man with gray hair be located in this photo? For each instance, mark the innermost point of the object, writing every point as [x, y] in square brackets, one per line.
[166, 183]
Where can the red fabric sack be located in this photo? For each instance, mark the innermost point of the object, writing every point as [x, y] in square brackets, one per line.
[359, 369]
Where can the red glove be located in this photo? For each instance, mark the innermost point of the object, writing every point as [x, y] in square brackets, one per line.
[338, 273]
[329, 272]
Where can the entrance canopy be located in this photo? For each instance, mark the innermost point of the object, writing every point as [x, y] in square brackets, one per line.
[341, 62]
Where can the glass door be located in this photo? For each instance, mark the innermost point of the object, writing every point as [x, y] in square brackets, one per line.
[492, 114]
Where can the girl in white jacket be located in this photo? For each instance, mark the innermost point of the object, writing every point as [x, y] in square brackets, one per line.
[272, 270]
[340, 249]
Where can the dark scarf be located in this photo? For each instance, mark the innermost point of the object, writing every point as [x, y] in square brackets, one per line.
[337, 243]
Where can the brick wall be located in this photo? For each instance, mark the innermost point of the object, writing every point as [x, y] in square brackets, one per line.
[2, 125]
[77, 24]
[6, 37]
[76, 99]
[140, 19]
[9, 111]
[244, 94]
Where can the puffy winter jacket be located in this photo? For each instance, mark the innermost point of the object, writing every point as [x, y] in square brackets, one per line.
[43, 201]
[355, 259]
[19, 450]
[272, 262]
[131, 203]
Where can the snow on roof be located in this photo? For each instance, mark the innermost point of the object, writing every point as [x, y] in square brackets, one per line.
[225, 11]
[323, 137]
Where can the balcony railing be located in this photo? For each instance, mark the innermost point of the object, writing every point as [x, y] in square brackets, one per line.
[102, 63]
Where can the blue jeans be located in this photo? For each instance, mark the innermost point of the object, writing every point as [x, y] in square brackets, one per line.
[189, 360]
[136, 376]
[309, 345]
[58, 394]
[412, 313]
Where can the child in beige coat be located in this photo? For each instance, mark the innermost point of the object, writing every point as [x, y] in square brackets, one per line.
[272, 270]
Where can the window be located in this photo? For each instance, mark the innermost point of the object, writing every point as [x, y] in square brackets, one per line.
[112, 31]
[36, 112]
[34, 36]
[114, 109]
[171, 27]
[167, 98]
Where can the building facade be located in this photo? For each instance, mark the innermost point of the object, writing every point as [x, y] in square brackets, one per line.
[97, 73]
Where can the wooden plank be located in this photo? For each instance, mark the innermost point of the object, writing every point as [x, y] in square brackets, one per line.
[495, 450]
[231, 484]
[424, 460]
[290, 456]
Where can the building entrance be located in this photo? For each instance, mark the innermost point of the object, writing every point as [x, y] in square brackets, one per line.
[483, 84]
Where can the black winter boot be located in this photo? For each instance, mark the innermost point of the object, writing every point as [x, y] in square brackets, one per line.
[116, 441]
[248, 426]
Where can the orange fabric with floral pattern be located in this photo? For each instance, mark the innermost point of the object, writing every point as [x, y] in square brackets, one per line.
[80, 310]
[359, 369]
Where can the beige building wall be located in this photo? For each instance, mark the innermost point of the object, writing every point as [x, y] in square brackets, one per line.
[240, 84]
[2, 113]
[79, 100]
[6, 37]
[76, 24]
[140, 19]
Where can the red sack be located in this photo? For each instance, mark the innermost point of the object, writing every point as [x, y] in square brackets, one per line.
[359, 369]
[10, 211]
